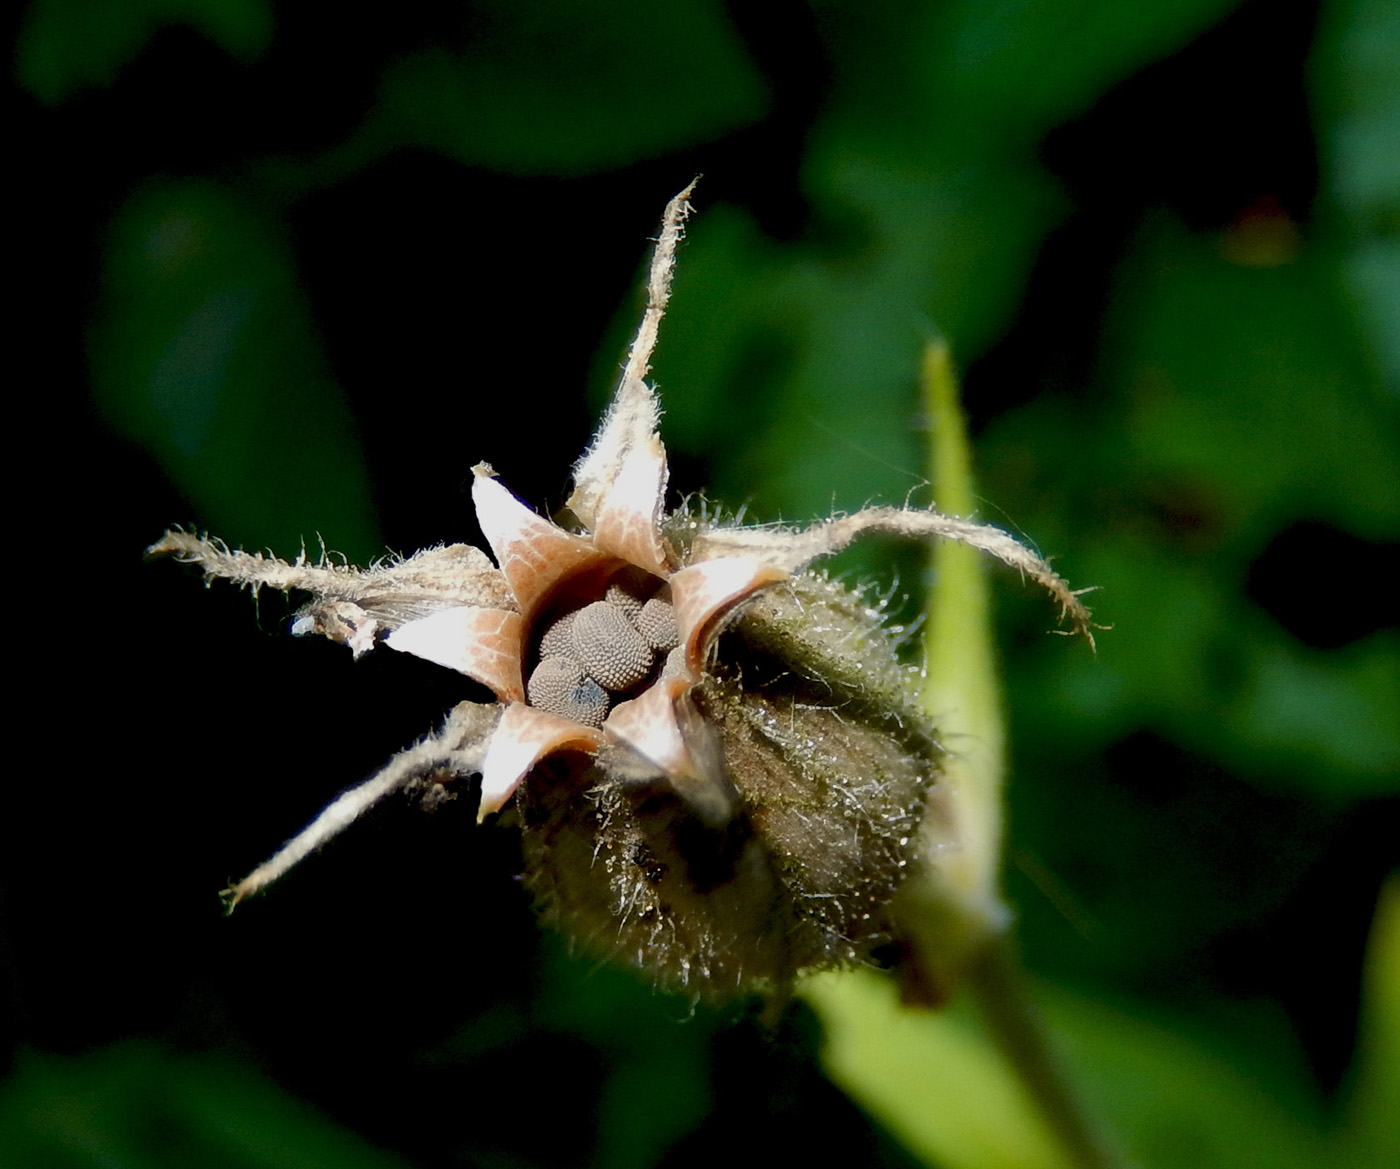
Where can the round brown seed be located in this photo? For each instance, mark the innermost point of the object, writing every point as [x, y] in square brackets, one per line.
[555, 640]
[657, 625]
[608, 648]
[629, 589]
[560, 687]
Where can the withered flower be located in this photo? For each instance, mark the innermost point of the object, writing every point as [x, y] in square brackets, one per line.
[720, 767]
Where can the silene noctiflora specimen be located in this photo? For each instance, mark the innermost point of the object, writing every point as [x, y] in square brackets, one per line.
[719, 765]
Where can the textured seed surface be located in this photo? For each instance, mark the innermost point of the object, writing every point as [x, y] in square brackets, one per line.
[657, 625]
[554, 642]
[628, 591]
[560, 687]
[608, 648]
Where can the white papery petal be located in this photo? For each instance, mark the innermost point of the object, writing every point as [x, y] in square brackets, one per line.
[521, 739]
[485, 644]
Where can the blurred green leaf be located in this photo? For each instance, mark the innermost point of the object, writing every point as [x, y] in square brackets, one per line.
[836, 337]
[1178, 1104]
[203, 354]
[1370, 1137]
[570, 87]
[1250, 387]
[1245, 403]
[653, 1054]
[1327, 717]
[977, 76]
[69, 45]
[1025, 65]
[933, 1080]
[939, 210]
[1356, 76]
[142, 1107]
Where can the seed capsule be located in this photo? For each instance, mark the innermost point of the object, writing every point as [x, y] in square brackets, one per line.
[808, 736]
[629, 590]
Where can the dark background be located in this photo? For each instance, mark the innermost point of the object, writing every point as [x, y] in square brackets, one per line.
[284, 272]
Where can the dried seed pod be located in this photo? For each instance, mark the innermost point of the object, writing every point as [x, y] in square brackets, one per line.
[556, 641]
[830, 783]
[629, 590]
[738, 817]
[675, 664]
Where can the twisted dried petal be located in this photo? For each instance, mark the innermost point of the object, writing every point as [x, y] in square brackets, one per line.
[523, 737]
[485, 644]
[702, 594]
[533, 553]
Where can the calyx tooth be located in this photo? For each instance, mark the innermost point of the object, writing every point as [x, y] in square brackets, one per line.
[703, 593]
[484, 644]
[628, 524]
[534, 554]
[521, 739]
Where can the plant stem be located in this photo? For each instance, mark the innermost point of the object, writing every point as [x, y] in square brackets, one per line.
[999, 985]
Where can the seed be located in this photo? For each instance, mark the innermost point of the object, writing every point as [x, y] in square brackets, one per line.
[657, 625]
[554, 642]
[629, 589]
[608, 648]
[560, 687]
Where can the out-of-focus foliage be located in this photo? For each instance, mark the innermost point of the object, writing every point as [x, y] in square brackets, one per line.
[136, 1104]
[571, 87]
[66, 46]
[296, 272]
[205, 354]
[1356, 88]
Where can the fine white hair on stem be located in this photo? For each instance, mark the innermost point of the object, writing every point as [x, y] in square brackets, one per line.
[457, 749]
[634, 413]
[795, 549]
